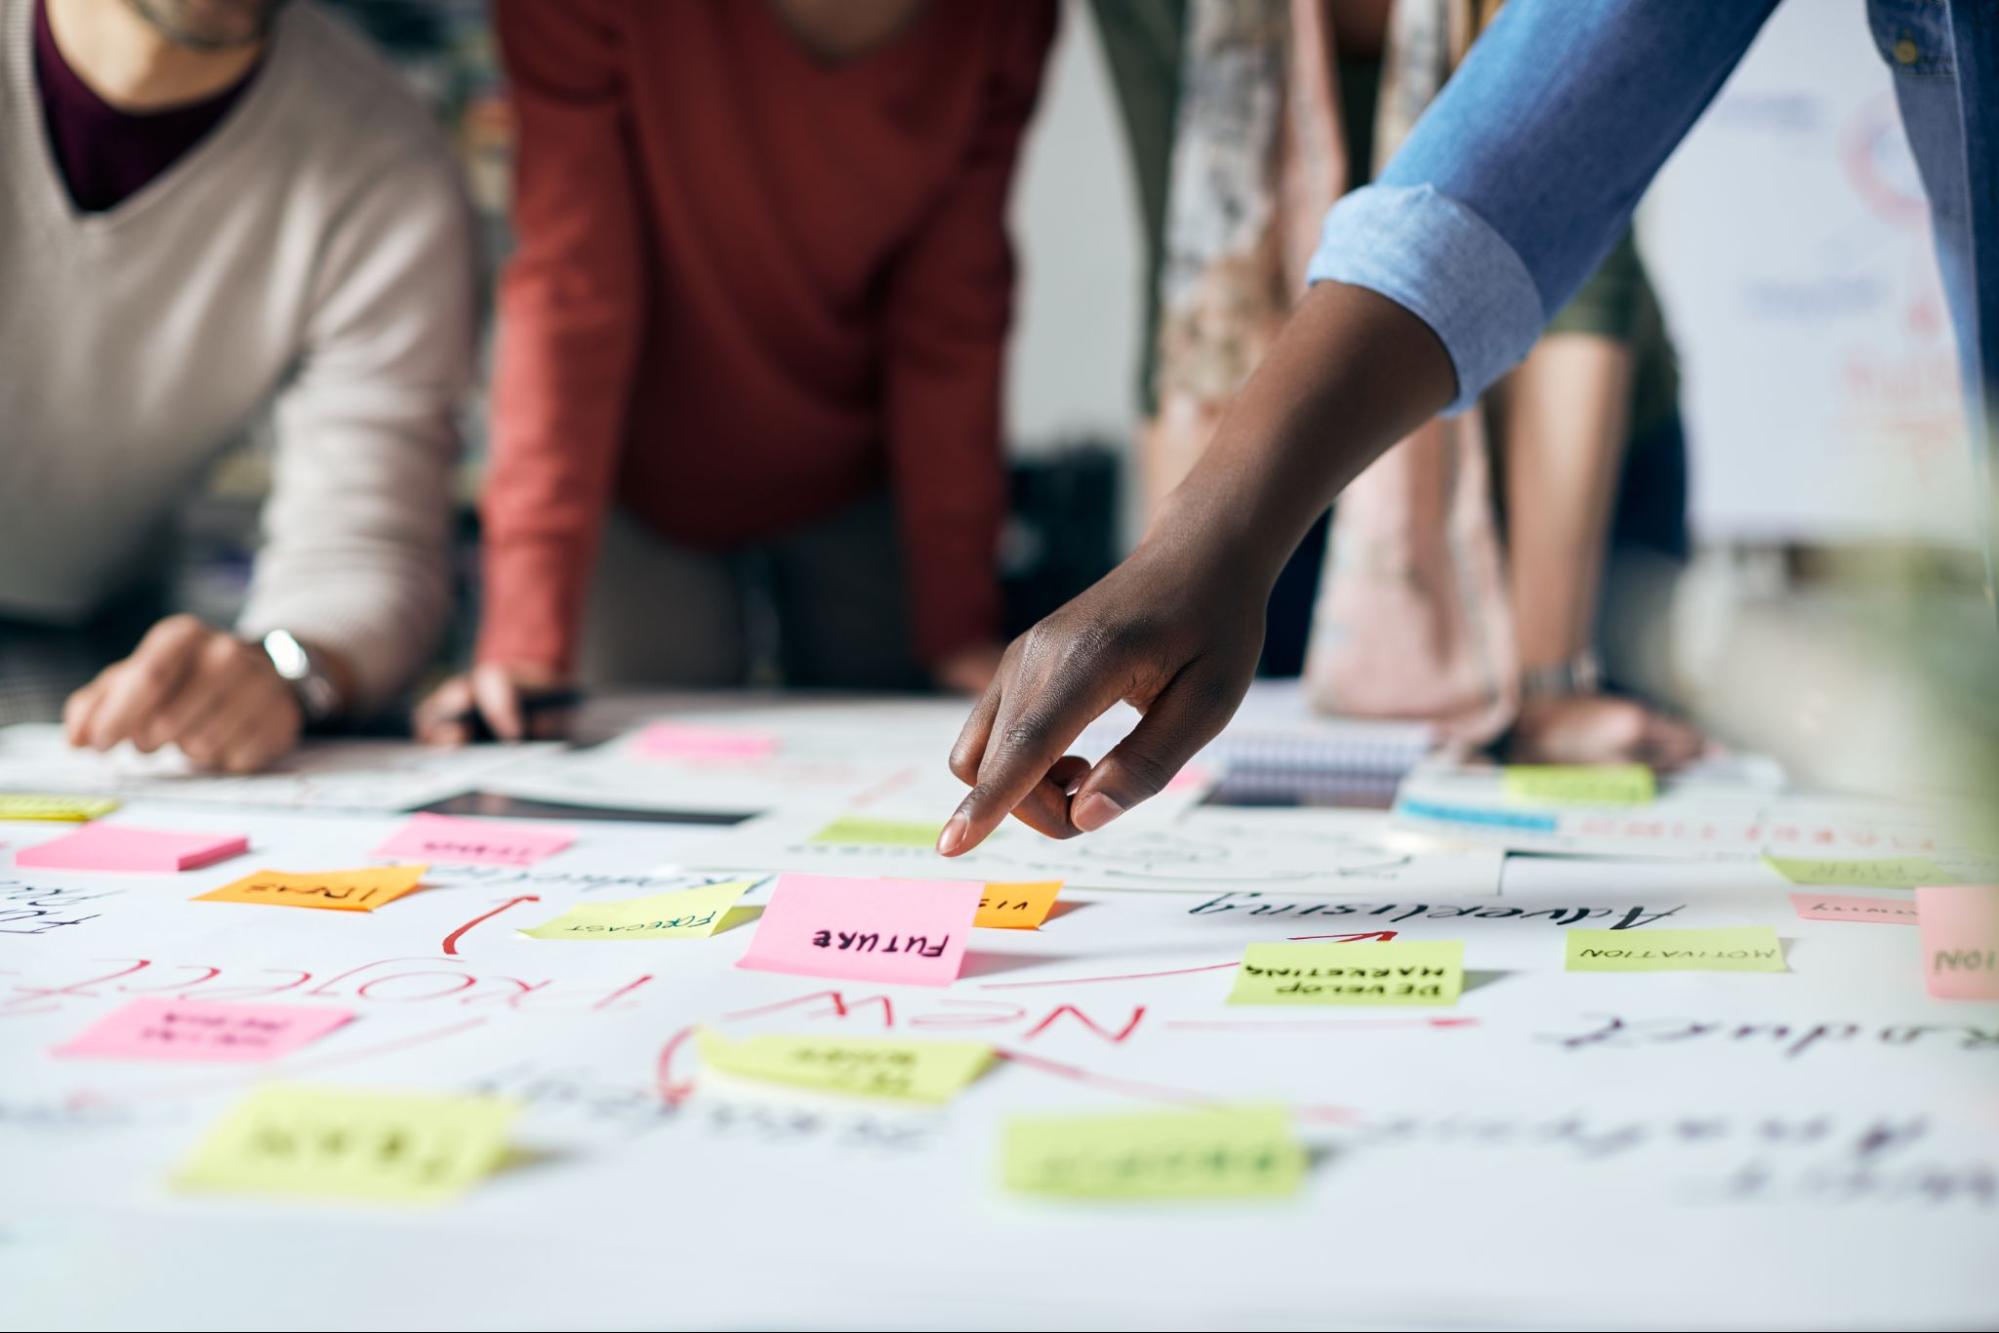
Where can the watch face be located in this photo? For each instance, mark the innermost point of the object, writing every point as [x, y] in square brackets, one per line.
[287, 655]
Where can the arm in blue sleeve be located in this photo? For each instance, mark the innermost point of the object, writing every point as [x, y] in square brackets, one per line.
[1523, 173]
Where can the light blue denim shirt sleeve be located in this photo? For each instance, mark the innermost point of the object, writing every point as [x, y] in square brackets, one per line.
[1524, 172]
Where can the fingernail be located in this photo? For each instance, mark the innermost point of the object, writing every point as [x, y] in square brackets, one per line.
[1094, 811]
[953, 836]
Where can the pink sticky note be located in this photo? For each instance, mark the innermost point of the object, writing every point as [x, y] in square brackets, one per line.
[681, 740]
[158, 1029]
[1846, 907]
[906, 931]
[1193, 775]
[483, 841]
[132, 851]
[1960, 934]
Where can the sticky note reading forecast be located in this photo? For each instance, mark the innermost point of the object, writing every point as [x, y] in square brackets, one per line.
[1017, 906]
[1579, 784]
[897, 1068]
[476, 841]
[1881, 872]
[1732, 949]
[861, 831]
[1234, 1152]
[1960, 939]
[896, 930]
[682, 914]
[338, 890]
[155, 1029]
[132, 851]
[56, 809]
[340, 1143]
[1367, 973]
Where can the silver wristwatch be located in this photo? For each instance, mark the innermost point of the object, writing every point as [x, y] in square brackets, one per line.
[1581, 674]
[305, 671]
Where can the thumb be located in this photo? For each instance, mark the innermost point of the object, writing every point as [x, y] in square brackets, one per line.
[1188, 714]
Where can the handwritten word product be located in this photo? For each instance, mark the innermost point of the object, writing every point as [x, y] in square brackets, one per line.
[202, 1030]
[908, 931]
[1959, 925]
[338, 890]
[1579, 784]
[55, 809]
[1880, 872]
[682, 914]
[1844, 907]
[121, 849]
[1731, 949]
[1381, 972]
[1226, 1152]
[476, 841]
[1017, 906]
[898, 1068]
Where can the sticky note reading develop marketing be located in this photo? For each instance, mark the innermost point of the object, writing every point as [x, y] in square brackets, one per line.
[682, 914]
[862, 831]
[1733, 949]
[339, 1143]
[1206, 1154]
[1960, 938]
[339, 890]
[155, 1029]
[894, 1067]
[59, 809]
[1579, 784]
[1380, 972]
[905, 931]
[132, 851]
[1017, 906]
[680, 740]
[478, 841]
[1842, 907]
[1885, 872]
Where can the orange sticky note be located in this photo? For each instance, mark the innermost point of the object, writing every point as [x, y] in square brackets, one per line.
[1017, 906]
[340, 890]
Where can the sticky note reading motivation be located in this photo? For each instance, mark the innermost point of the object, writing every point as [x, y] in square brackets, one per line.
[1960, 938]
[132, 851]
[478, 841]
[899, 930]
[681, 915]
[339, 890]
[1841, 907]
[155, 1029]
[1208, 1154]
[681, 740]
[861, 831]
[1579, 784]
[338, 1143]
[56, 809]
[893, 1067]
[1017, 906]
[1381, 972]
[1882, 872]
[1733, 949]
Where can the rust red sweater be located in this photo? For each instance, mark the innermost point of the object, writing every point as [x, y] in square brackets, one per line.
[750, 288]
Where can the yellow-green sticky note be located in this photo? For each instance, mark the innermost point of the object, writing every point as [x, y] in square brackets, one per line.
[390, 1147]
[56, 809]
[1579, 784]
[1880, 872]
[679, 915]
[1731, 949]
[898, 1068]
[863, 831]
[1218, 1153]
[1380, 972]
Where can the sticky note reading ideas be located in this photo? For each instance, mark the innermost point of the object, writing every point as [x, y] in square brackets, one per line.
[896, 930]
[1960, 937]
[682, 914]
[1207, 1154]
[1733, 949]
[1579, 784]
[340, 1143]
[60, 809]
[1017, 906]
[338, 890]
[1381, 972]
[132, 851]
[1881, 872]
[155, 1029]
[897, 1068]
[477, 841]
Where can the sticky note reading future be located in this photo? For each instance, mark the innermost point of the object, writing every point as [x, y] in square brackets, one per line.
[897, 1068]
[1017, 906]
[132, 851]
[681, 740]
[1843, 907]
[904, 931]
[56, 809]
[1881, 872]
[338, 890]
[1232, 1152]
[1380, 972]
[339, 1143]
[478, 841]
[862, 831]
[154, 1029]
[1579, 784]
[1731, 949]
[682, 914]
[1959, 926]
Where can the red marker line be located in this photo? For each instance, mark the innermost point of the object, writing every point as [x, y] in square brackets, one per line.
[451, 940]
[1153, 1092]
[1279, 1024]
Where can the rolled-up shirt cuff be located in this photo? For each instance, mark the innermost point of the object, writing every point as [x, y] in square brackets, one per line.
[1439, 260]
